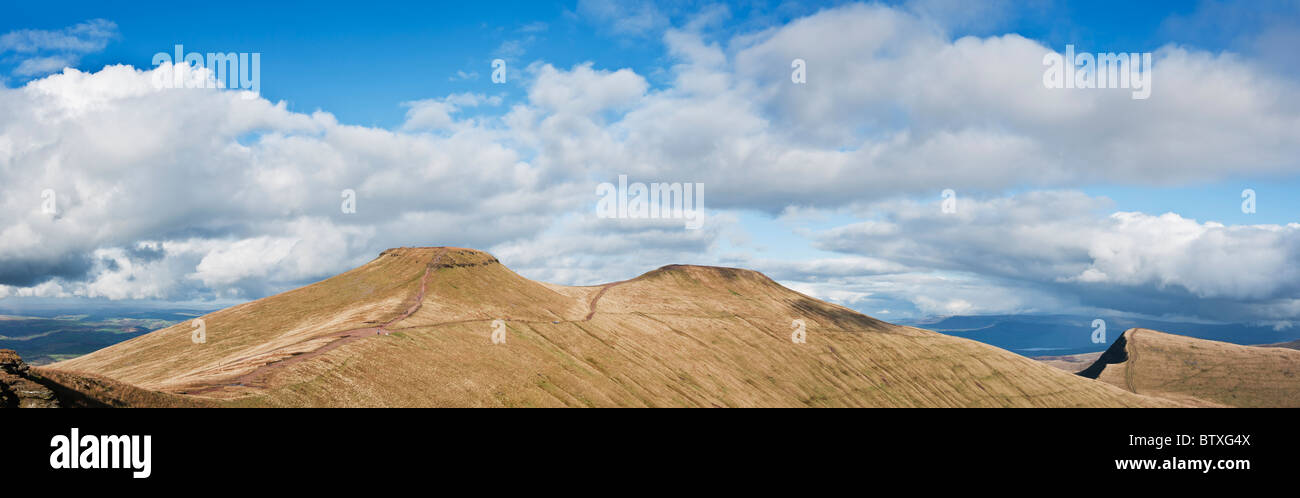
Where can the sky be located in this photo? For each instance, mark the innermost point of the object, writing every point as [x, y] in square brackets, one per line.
[1065, 200]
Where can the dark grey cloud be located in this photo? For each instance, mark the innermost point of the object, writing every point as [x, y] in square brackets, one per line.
[1065, 246]
[146, 253]
[27, 272]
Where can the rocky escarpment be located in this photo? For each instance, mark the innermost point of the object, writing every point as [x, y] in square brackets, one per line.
[18, 389]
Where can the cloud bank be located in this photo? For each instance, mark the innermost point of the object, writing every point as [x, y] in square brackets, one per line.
[199, 194]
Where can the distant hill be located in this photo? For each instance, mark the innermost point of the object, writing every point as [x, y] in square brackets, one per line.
[1073, 363]
[414, 327]
[1200, 372]
[1288, 345]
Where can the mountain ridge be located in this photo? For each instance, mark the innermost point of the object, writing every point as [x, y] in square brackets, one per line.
[1198, 371]
[414, 327]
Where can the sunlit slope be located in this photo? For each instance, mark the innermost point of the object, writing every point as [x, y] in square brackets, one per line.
[677, 336]
[1200, 372]
[241, 337]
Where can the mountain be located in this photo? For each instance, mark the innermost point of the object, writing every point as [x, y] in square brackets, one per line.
[1288, 345]
[415, 327]
[1200, 372]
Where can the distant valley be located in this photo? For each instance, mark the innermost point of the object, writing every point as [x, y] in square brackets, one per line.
[46, 336]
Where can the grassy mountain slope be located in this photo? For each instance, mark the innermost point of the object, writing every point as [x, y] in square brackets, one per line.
[1200, 372]
[414, 328]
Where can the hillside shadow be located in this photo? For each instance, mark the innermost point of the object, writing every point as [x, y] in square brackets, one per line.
[68, 397]
[1116, 353]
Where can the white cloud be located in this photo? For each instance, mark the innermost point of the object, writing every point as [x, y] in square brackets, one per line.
[1064, 244]
[44, 65]
[436, 114]
[625, 17]
[131, 162]
[513, 49]
[892, 108]
[583, 90]
[89, 36]
[463, 76]
[47, 51]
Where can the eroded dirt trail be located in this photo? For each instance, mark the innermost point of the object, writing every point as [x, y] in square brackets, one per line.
[256, 377]
[592, 306]
[1132, 360]
[419, 298]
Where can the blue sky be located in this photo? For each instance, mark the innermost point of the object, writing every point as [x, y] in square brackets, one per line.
[360, 62]
[832, 188]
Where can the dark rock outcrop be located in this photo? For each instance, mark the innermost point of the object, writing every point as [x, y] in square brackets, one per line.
[18, 389]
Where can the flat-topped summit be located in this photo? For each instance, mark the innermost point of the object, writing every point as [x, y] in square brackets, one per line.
[430, 250]
[449, 255]
[710, 271]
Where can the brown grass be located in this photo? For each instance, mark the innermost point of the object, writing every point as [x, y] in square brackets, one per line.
[1073, 363]
[1203, 372]
[677, 336]
[82, 390]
